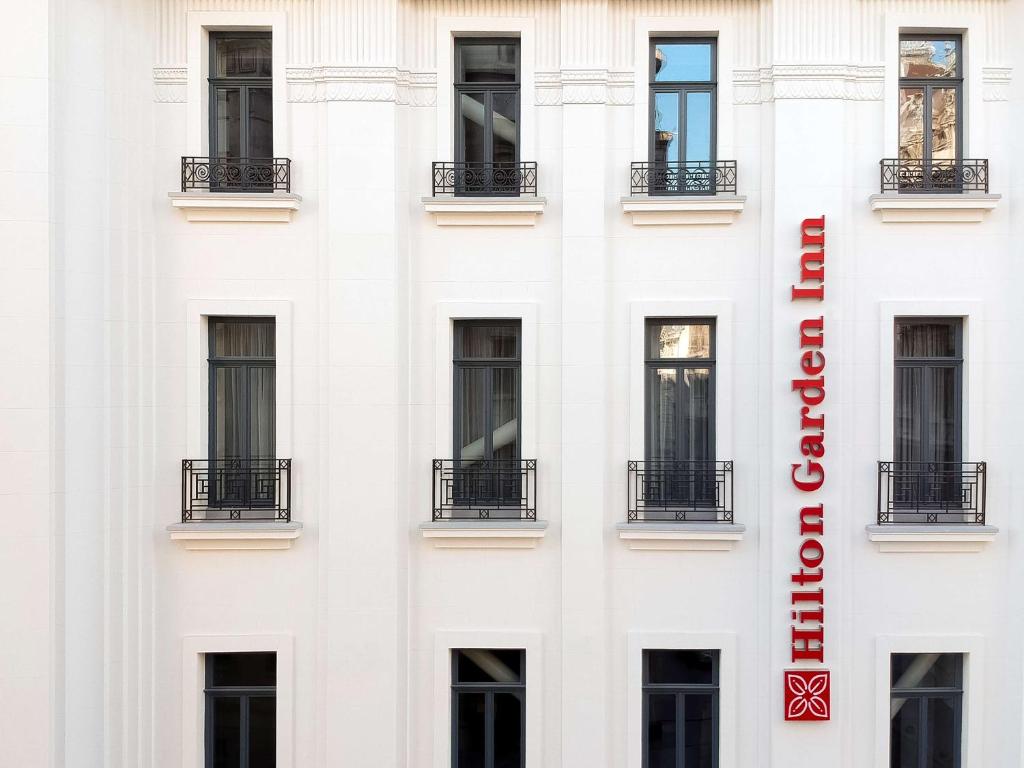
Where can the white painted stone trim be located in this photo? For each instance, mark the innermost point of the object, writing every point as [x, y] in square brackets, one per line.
[239, 535]
[648, 210]
[481, 534]
[679, 537]
[931, 538]
[229, 206]
[485, 211]
[935, 209]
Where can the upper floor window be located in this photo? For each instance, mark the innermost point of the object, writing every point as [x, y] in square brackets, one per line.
[488, 708]
[680, 709]
[683, 104]
[241, 710]
[241, 103]
[931, 97]
[926, 710]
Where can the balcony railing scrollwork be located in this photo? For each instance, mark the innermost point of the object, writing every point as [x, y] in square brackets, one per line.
[923, 492]
[683, 178]
[934, 176]
[485, 490]
[246, 490]
[236, 174]
[680, 491]
[480, 179]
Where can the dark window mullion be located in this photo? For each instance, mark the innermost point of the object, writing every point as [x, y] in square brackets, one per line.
[488, 413]
[489, 730]
[922, 719]
[243, 730]
[680, 730]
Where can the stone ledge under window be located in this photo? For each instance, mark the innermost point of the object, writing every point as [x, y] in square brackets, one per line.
[934, 208]
[675, 537]
[239, 535]
[236, 206]
[450, 211]
[651, 210]
[931, 538]
[485, 534]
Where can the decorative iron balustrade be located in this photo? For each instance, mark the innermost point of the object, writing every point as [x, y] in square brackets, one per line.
[938, 176]
[680, 491]
[485, 490]
[931, 492]
[219, 490]
[236, 174]
[683, 178]
[485, 179]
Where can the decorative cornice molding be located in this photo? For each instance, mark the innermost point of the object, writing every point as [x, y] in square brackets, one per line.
[996, 83]
[169, 85]
[803, 81]
[583, 86]
[316, 84]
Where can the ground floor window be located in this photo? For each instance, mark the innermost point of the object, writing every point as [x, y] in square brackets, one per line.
[241, 710]
[680, 709]
[488, 708]
[926, 710]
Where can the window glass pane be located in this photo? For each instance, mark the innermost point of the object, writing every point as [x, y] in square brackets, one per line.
[698, 731]
[929, 58]
[488, 341]
[261, 123]
[472, 409]
[695, 395]
[682, 62]
[698, 127]
[941, 414]
[923, 339]
[242, 669]
[904, 732]
[926, 670]
[666, 127]
[504, 126]
[941, 750]
[681, 667]
[670, 341]
[228, 122]
[243, 339]
[906, 411]
[228, 410]
[488, 62]
[227, 752]
[505, 412]
[508, 730]
[248, 56]
[912, 123]
[661, 730]
[470, 729]
[262, 732]
[261, 418]
[662, 398]
[478, 665]
[944, 124]
[472, 118]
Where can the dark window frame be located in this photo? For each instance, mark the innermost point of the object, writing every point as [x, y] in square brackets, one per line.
[244, 694]
[489, 690]
[653, 364]
[681, 690]
[921, 695]
[244, 84]
[928, 84]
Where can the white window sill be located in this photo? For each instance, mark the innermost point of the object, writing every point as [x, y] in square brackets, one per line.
[677, 537]
[237, 535]
[931, 538]
[968, 207]
[483, 534]
[652, 210]
[236, 206]
[450, 211]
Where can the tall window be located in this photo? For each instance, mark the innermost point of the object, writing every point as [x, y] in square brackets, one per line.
[683, 86]
[931, 97]
[241, 104]
[487, 391]
[926, 710]
[241, 710]
[486, 112]
[488, 708]
[680, 709]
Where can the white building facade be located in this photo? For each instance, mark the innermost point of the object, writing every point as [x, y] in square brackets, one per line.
[490, 384]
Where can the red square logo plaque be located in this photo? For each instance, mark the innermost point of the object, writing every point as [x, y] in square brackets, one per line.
[808, 694]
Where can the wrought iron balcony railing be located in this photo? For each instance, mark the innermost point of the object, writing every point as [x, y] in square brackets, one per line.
[680, 491]
[484, 179]
[220, 490]
[485, 490]
[938, 176]
[944, 493]
[236, 174]
[683, 178]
